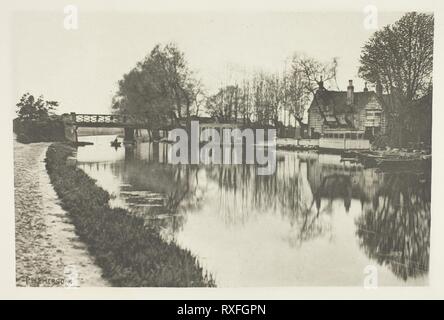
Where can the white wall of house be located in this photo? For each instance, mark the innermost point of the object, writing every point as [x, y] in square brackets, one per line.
[343, 144]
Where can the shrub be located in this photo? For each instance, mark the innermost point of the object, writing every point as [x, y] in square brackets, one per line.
[47, 130]
[381, 142]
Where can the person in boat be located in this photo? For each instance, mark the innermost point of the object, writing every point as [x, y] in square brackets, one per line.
[115, 141]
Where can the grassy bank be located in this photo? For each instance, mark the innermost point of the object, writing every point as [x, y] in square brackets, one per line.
[129, 253]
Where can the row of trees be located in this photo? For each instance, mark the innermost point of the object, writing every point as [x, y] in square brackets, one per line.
[399, 57]
[270, 98]
[163, 84]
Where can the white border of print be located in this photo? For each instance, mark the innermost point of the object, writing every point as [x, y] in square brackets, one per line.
[7, 252]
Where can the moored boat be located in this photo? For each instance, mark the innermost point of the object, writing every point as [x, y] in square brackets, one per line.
[422, 162]
[388, 160]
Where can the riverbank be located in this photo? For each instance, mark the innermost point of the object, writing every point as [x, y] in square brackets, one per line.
[370, 156]
[130, 253]
[48, 252]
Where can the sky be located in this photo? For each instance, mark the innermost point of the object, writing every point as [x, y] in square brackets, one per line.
[80, 68]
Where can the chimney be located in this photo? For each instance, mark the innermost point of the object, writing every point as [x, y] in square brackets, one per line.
[379, 89]
[365, 88]
[321, 85]
[350, 90]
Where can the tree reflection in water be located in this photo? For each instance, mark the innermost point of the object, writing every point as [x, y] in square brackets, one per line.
[160, 193]
[395, 228]
[244, 195]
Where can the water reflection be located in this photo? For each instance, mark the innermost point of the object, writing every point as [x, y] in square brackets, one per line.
[316, 221]
[395, 227]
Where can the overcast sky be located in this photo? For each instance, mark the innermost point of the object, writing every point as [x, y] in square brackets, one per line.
[80, 68]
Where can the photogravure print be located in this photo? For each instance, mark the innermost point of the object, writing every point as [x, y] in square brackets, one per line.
[217, 149]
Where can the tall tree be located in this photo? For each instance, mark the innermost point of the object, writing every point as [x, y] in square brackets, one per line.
[399, 57]
[274, 97]
[295, 95]
[161, 84]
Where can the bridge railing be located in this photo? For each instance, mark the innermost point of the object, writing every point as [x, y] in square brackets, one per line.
[128, 119]
[103, 118]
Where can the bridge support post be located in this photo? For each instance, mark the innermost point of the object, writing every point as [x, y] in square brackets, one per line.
[129, 135]
[70, 127]
[156, 153]
[129, 153]
[71, 133]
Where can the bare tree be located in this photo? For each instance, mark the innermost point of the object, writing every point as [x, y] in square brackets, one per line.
[295, 95]
[307, 76]
[274, 97]
[225, 104]
[264, 97]
[312, 71]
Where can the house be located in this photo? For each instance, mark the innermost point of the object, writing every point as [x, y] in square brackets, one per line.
[347, 110]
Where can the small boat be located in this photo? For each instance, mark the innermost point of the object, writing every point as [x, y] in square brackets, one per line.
[349, 156]
[349, 159]
[116, 144]
[83, 143]
[369, 158]
[400, 163]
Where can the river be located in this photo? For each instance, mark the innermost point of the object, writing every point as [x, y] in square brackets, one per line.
[316, 222]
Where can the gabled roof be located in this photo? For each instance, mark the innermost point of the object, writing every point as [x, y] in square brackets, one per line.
[338, 100]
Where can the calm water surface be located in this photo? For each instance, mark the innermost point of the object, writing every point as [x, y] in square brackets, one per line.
[316, 221]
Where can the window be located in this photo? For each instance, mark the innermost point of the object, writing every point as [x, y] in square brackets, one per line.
[353, 136]
[373, 118]
[347, 136]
